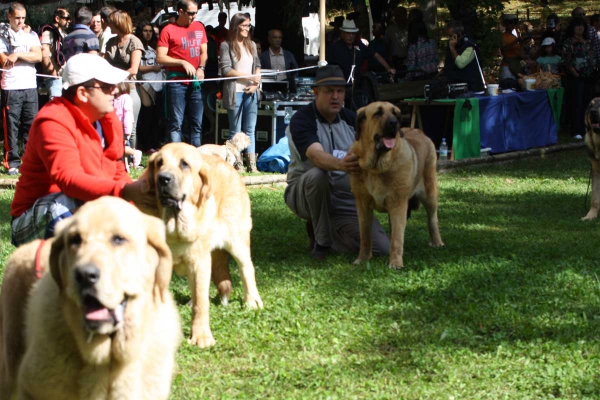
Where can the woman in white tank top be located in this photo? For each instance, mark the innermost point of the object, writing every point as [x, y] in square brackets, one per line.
[240, 58]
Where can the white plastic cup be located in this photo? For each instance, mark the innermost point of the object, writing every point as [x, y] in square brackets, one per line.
[493, 89]
[529, 82]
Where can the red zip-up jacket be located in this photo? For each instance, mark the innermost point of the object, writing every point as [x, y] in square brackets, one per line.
[64, 154]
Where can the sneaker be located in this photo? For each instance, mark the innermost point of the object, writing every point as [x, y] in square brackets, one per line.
[13, 171]
[578, 137]
[137, 158]
[319, 253]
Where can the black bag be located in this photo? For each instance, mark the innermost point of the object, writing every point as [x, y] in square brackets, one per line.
[438, 88]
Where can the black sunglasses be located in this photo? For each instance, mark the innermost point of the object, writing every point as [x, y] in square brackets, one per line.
[107, 89]
[68, 17]
[191, 13]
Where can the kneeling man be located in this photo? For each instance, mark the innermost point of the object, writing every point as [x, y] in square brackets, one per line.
[320, 135]
[75, 152]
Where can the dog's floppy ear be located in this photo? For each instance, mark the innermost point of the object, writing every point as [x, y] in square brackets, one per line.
[56, 251]
[398, 114]
[360, 120]
[151, 170]
[205, 190]
[155, 234]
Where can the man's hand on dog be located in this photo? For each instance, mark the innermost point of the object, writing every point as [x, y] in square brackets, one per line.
[350, 163]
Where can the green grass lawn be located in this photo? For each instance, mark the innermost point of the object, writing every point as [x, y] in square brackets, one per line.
[508, 309]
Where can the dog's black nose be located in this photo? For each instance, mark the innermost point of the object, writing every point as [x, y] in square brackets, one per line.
[391, 124]
[87, 275]
[165, 178]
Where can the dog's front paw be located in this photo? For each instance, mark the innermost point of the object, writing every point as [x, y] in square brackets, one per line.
[202, 341]
[591, 215]
[436, 244]
[254, 302]
[396, 266]
[361, 259]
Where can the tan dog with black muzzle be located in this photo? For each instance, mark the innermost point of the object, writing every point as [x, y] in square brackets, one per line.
[398, 171]
[592, 141]
[205, 207]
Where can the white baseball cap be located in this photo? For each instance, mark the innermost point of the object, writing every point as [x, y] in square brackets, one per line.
[548, 41]
[83, 67]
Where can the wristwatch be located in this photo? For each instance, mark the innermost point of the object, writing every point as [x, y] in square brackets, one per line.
[202, 67]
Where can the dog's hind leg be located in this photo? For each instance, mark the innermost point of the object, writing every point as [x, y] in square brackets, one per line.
[220, 275]
[593, 212]
[240, 251]
[429, 198]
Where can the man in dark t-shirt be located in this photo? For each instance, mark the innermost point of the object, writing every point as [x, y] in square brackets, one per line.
[320, 135]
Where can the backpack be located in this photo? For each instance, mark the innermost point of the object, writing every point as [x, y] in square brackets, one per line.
[57, 41]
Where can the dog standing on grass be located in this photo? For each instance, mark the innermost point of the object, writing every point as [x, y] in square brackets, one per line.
[592, 141]
[231, 151]
[205, 207]
[398, 171]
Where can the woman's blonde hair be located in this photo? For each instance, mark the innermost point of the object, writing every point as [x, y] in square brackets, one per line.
[234, 28]
[121, 21]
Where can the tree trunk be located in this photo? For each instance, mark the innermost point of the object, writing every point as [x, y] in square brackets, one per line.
[430, 17]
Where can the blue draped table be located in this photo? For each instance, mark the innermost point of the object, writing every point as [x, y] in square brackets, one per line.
[507, 122]
[518, 121]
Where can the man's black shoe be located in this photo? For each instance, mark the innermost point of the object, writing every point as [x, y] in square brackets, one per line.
[319, 253]
[311, 235]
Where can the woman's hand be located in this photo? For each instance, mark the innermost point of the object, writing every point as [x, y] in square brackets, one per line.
[250, 89]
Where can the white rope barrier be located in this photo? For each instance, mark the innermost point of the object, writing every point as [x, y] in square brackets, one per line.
[197, 80]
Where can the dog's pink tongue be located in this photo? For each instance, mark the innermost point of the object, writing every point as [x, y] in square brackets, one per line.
[98, 315]
[389, 142]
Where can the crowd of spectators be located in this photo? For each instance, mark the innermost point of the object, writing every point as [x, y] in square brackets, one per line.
[185, 49]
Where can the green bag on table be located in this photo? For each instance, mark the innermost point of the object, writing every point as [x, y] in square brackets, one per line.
[466, 142]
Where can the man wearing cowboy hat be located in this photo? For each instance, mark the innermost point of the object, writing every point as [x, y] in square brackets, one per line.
[349, 54]
[334, 35]
[320, 135]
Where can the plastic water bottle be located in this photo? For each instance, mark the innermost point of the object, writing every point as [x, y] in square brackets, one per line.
[443, 150]
[288, 115]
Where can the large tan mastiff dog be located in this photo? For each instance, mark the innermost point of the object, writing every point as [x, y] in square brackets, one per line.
[398, 168]
[592, 140]
[206, 210]
[102, 324]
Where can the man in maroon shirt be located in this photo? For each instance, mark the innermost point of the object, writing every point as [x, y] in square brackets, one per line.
[221, 32]
[182, 50]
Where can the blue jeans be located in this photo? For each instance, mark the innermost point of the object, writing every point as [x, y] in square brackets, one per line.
[185, 102]
[243, 117]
